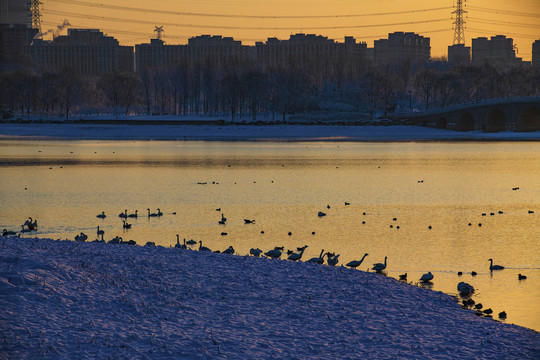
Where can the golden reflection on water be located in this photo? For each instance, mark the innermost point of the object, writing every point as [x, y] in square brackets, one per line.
[283, 186]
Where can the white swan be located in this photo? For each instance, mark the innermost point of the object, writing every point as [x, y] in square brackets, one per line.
[255, 252]
[230, 250]
[318, 260]
[274, 254]
[427, 277]
[356, 263]
[494, 267]
[378, 267]
[8, 233]
[32, 225]
[297, 256]
[81, 237]
[102, 215]
[332, 261]
[465, 288]
[178, 245]
[203, 248]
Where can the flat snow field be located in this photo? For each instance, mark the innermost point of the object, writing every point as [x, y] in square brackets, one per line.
[65, 299]
[251, 133]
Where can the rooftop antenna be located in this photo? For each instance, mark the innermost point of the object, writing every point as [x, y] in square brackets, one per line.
[459, 23]
[159, 31]
[35, 17]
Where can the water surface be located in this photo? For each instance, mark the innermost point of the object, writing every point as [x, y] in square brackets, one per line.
[282, 186]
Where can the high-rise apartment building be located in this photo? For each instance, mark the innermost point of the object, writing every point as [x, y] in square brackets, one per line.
[86, 51]
[309, 50]
[536, 54]
[459, 54]
[499, 50]
[402, 46]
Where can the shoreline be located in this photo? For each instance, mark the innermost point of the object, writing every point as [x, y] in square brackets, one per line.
[97, 300]
[263, 133]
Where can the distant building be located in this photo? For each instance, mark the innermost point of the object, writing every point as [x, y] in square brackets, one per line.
[15, 12]
[15, 41]
[200, 49]
[86, 51]
[309, 50]
[217, 48]
[536, 54]
[499, 50]
[402, 46]
[157, 55]
[459, 54]
[16, 33]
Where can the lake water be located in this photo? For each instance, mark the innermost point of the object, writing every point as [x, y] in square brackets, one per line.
[282, 186]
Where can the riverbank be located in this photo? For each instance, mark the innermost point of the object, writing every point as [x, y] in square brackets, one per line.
[241, 132]
[69, 299]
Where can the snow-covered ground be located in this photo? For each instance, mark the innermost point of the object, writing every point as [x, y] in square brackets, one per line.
[64, 299]
[249, 133]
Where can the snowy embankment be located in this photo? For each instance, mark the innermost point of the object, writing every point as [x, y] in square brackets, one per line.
[72, 300]
[250, 133]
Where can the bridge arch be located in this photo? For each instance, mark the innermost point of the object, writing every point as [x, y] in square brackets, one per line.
[528, 119]
[494, 121]
[465, 121]
[441, 123]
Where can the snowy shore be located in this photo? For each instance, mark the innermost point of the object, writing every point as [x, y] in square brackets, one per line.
[64, 299]
[239, 132]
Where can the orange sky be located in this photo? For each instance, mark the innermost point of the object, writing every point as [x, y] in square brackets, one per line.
[131, 23]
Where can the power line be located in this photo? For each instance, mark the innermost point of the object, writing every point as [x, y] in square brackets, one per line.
[183, 13]
[489, 32]
[131, 21]
[147, 35]
[497, 22]
[506, 12]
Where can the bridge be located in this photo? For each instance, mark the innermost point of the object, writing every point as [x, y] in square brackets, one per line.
[518, 114]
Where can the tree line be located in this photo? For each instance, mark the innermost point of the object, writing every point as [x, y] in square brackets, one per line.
[235, 89]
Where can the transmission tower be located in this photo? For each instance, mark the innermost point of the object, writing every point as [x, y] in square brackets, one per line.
[159, 31]
[459, 23]
[35, 17]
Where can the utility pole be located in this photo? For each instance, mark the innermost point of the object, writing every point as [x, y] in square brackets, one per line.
[459, 23]
[159, 31]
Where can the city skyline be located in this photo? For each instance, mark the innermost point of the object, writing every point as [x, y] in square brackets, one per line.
[250, 21]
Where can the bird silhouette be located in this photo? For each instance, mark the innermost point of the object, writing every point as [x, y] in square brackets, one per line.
[378, 267]
[178, 245]
[494, 267]
[203, 248]
[297, 256]
[332, 261]
[255, 252]
[319, 259]
[427, 277]
[229, 250]
[274, 254]
[356, 263]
